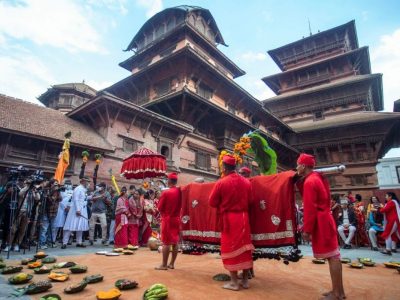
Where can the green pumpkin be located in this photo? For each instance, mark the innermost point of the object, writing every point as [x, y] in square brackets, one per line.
[49, 260]
[76, 288]
[78, 269]
[93, 278]
[11, 270]
[124, 284]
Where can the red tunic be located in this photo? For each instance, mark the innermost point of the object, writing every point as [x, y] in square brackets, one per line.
[318, 219]
[169, 207]
[392, 217]
[231, 196]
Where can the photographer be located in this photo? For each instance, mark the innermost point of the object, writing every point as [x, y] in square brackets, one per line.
[100, 200]
[51, 200]
[5, 199]
[28, 196]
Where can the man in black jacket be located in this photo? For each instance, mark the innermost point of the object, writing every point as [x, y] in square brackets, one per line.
[347, 223]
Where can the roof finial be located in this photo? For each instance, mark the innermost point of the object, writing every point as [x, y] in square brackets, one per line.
[83, 81]
[309, 26]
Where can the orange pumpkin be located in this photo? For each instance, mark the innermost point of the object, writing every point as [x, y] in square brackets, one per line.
[112, 294]
[36, 264]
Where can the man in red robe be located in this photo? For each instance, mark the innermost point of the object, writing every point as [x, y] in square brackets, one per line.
[319, 225]
[231, 196]
[169, 207]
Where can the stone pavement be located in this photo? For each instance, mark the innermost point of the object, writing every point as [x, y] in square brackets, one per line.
[6, 289]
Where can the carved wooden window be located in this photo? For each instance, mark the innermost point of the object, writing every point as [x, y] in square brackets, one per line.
[143, 93]
[163, 87]
[358, 180]
[203, 160]
[204, 91]
[129, 145]
[165, 148]
[319, 115]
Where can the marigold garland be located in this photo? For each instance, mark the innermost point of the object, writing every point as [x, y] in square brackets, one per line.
[239, 150]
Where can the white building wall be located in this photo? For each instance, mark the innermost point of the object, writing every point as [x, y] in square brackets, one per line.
[388, 173]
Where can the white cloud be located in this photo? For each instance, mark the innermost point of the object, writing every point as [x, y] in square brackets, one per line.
[61, 24]
[251, 56]
[385, 58]
[152, 6]
[118, 5]
[255, 86]
[24, 76]
[99, 85]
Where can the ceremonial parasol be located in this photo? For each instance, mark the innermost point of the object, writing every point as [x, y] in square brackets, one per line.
[144, 163]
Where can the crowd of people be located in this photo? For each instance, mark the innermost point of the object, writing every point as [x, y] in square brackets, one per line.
[45, 213]
[371, 225]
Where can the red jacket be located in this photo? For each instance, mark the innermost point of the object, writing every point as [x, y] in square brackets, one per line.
[318, 219]
[170, 203]
[231, 193]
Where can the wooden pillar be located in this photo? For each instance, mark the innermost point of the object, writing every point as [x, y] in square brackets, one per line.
[340, 150]
[42, 154]
[328, 155]
[353, 152]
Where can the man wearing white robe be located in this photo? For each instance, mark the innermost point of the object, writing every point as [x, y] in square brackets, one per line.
[77, 218]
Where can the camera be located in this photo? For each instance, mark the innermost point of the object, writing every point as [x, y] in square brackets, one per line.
[17, 172]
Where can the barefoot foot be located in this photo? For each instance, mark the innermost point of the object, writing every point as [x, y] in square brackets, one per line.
[163, 268]
[231, 286]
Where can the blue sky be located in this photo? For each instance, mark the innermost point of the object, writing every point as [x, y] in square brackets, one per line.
[46, 42]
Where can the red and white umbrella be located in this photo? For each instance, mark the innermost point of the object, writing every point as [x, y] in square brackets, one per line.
[144, 163]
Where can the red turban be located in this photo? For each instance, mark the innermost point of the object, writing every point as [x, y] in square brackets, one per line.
[245, 170]
[229, 159]
[306, 159]
[173, 176]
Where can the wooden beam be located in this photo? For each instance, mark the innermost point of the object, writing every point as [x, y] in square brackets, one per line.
[159, 132]
[84, 120]
[101, 117]
[107, 114]
[201, 116]
[180, 143]
[91, 118]
[147, 128]
[130, 125]
[183, 107]
[116, 117]
[170, 109]
[189, 117]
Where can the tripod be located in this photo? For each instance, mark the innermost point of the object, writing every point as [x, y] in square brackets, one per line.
[13, 206]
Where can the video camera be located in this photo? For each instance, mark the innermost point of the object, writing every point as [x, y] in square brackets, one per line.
[17, 172]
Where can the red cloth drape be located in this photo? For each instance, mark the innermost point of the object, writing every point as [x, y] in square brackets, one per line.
[272, 213]
[144, 163]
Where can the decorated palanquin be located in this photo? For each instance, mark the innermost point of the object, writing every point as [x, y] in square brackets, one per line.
[272, 214]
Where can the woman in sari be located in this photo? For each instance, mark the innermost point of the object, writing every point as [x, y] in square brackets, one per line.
[147, 218]
[121, 220]
[359, 211]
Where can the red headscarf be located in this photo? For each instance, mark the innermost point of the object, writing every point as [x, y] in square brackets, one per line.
[173, 176]
[229, 160]
[306, 159]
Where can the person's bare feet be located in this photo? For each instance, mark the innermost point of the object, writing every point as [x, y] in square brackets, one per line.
[245, 284]
[162, 268]
[331, 292]
[171, 266]
[231, 286]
